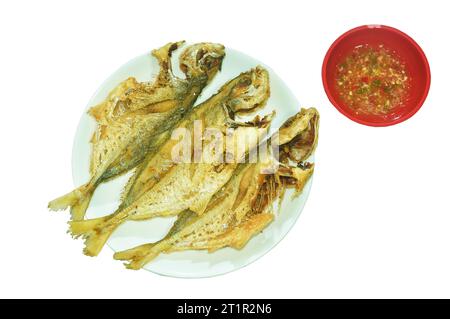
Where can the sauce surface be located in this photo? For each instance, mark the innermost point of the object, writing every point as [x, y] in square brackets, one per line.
[373, 80]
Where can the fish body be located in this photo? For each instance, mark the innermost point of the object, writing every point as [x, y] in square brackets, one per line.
[137, 118]
[243, 94]
[243, 208]
[190, 185]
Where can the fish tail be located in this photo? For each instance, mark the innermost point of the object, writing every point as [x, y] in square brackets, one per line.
[78, 210]
[67, 200]
[95, 233]
[139, 256]
[78, 200]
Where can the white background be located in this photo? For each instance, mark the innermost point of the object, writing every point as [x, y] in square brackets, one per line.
[377, 222]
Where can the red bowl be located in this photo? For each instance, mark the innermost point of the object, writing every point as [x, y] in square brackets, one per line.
[408, 50]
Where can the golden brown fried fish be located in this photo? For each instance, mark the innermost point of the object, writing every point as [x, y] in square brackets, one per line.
[137, 118]
[243, 208]
[176, 187]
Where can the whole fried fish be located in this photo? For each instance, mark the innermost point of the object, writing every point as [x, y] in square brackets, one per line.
[137, 118]
[167, 190]
[243, 208]
[246, 93]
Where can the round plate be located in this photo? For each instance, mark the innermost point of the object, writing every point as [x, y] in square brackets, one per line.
[188, 264]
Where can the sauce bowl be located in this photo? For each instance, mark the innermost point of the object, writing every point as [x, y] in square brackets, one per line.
[404, 46]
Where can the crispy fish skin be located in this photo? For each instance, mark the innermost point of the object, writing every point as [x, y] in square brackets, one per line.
[188, 185]
[137, 118]
[239, 96]
[243, 208]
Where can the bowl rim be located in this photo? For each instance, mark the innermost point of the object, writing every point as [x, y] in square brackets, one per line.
[356, 118]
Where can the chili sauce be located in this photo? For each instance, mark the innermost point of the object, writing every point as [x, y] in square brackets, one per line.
[373, 80]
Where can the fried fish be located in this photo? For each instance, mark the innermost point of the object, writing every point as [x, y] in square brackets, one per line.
[244, 94]
[137, 118]
[167, 190]
[244, 207]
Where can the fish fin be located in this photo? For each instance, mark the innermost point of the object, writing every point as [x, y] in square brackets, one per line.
[105, 110]
[138, 256]
[199, 207]
[250, 228]
[97, 111]
[95, 233]
[163, 55]
[78, 210]
[239, 236]
[69, 199]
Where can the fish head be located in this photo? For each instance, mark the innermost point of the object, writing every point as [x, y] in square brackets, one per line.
[294, 143]
[202, 59]
[250, 92]
[298, 136]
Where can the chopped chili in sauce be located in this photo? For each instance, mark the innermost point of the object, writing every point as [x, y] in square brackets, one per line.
[372, 80]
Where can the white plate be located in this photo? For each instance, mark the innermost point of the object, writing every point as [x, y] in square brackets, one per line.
[188, 264]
